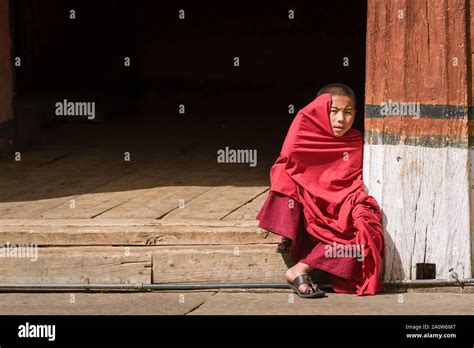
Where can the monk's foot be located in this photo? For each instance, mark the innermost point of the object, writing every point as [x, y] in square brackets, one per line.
[295, 271]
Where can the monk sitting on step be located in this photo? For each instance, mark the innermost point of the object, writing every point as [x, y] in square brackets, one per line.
[317, 202]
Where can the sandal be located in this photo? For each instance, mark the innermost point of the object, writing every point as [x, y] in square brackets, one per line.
[306, 279]
[284, 246]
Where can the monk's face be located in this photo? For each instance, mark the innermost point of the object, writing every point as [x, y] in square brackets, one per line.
[342, 114]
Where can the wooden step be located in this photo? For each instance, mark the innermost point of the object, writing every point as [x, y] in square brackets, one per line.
[130, 251]
[78, 265]
[88, 232]
[218, 264]
[257, 263]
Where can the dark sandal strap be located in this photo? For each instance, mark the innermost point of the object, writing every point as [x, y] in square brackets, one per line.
[305, 279]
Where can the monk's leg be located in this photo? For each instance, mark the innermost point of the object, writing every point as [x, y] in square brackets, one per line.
[295, 271]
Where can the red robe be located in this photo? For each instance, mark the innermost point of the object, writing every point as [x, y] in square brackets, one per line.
[324, 174]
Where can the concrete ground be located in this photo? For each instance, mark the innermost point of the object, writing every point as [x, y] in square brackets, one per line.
[235, 302]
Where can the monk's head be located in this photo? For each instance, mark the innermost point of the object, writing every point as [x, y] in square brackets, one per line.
[343, 107]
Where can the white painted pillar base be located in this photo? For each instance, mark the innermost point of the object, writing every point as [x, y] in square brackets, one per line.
[424, 195]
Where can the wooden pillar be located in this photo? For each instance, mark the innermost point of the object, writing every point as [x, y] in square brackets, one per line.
[416, 154]
[6, 79]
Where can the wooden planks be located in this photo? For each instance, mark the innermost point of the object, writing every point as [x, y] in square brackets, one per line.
[217, 202]
[219, 264]
[58, 191]
[120, 251]
[160, 264]
[112, 193]
[250, 210]
[122, 222]
[135, 207]
[121, 265]
[83, 232]
[73, 185]
[410, 50]
[33, 186]
[417, 53]
[156, 202]
[148, 192]
[56, 265]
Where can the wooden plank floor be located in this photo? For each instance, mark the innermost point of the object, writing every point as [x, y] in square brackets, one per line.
[166, 177]
[83, 205]
[111, 190]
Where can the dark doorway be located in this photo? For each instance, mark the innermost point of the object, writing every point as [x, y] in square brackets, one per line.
[186, 61]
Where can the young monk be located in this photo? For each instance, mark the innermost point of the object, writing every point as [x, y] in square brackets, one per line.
[317, 202]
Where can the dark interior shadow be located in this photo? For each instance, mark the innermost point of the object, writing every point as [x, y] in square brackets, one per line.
[392, 266]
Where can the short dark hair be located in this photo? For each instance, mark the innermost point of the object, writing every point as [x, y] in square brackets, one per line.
[338, 89]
